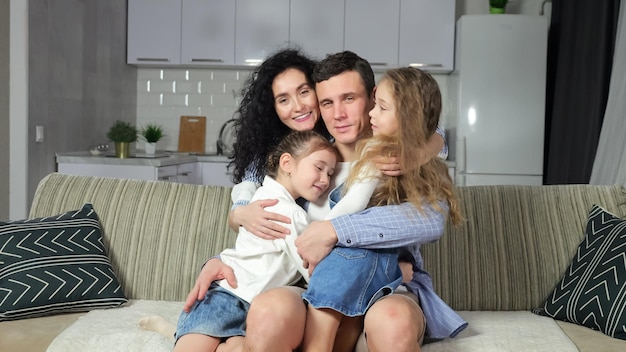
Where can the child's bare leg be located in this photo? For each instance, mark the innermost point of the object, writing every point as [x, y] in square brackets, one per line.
[350, 328]
[320, 329]
[232, 344]
[158, 324]
[196, 342]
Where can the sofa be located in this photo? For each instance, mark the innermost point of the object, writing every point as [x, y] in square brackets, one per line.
[507, 259]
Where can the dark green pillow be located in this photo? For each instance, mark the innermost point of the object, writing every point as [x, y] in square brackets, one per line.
[56, 264]
[592, 292]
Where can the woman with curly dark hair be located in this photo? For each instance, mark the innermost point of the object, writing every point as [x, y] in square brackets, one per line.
[277, 98]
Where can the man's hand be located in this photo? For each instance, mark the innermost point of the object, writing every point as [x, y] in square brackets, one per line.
[261, 223]
[212, 270]
[315, 242]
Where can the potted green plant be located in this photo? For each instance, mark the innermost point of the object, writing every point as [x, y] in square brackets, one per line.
[122, 133]
[151, 133]
[497, 6]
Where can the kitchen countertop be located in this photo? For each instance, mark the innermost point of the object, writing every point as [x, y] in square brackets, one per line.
[161, 158]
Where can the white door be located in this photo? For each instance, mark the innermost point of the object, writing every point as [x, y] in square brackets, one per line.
[371, 31]
[208, 32]
[153, 36]
[427, 34]
[262, 28]
[317, 26]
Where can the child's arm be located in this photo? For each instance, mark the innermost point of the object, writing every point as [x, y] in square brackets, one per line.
[299, 221]
[357, 197]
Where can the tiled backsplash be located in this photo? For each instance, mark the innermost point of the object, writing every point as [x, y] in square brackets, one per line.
[164, 95]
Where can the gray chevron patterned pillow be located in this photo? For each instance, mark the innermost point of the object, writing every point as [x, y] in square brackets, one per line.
[55, 265]
[592, 291]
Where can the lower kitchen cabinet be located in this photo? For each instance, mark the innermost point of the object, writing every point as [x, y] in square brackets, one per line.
[216, 173]
[183, 173]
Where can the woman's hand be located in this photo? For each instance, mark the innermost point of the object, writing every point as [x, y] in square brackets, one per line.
[388, 165]
[213, 270]
[261, 223]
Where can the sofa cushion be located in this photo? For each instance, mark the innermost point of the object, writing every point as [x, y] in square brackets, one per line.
[55, 264]
[592, 291]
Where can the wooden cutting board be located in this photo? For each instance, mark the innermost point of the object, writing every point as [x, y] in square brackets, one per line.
[192, 135]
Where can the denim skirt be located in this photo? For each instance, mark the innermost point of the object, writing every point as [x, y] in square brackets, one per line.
[220, 314]
[350, 280]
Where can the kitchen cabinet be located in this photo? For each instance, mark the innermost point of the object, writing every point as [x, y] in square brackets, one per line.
[183, 173]
[371, 31]
[216, 173]
[208, 32]
[181, 32]
[262, 27]
[426, 38]
[388, 33]
[317, 26]
[154, 31]
[175, 168]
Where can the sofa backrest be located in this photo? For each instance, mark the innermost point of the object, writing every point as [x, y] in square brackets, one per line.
[509, 254]
[157, 234]
[515, 245]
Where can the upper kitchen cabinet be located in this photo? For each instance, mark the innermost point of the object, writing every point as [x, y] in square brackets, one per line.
[317, 26]
[262, 28]
[208, 32]
[371, 31]
[427, 34]
[154, 32]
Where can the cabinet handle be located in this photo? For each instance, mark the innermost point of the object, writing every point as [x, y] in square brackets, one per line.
[425, 65]
[167, 178]
[185, 174]
[153, 59]
[378, 64]
[207, 60]
[253, 61]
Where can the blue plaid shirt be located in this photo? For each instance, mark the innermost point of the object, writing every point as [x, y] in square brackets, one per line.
[403, 225]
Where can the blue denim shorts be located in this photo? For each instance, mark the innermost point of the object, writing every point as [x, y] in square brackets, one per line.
[350, 280]
[220, 314]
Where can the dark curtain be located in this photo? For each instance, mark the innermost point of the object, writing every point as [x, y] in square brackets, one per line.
[581, 41]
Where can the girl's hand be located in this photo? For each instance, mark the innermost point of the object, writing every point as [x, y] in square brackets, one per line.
[261, 223]
[388, 165]
[407, 271]
[213, 270]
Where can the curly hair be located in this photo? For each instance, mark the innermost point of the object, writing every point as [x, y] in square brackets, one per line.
[259, 129]
[417, 99]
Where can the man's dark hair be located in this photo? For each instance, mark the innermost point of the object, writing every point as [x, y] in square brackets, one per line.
[335, 64]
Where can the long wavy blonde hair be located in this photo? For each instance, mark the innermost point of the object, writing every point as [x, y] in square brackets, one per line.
[417, 99]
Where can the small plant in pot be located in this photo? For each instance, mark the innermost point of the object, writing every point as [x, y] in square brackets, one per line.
[497, 6]
[151, 133]
[122, 133]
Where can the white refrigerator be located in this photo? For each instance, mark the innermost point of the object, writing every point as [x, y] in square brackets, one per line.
[499, 86]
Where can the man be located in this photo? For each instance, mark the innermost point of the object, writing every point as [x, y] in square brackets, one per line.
[345, 89]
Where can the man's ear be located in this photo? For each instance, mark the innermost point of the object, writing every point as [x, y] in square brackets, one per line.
[287, 162]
